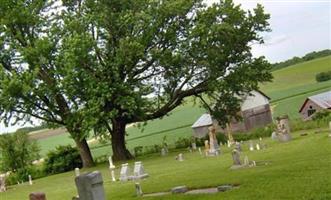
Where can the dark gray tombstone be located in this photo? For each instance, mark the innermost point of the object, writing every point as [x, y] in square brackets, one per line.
[236, 157]
[90, 186]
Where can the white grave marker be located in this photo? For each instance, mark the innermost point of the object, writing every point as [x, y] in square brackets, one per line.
[257, 147]
[124, 174]
[138, 171]
[180, 157]
[111, 164]
[246, 161]
[77, 173]
[251, 146]
[30, 180]
[200, 152]
[113, 178]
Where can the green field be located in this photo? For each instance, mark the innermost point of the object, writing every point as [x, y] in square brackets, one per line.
[299, 169]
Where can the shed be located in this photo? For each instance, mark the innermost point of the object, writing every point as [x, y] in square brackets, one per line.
[314, 104]
[255, 111]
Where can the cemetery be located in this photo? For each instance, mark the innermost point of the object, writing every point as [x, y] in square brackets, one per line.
[132, 100]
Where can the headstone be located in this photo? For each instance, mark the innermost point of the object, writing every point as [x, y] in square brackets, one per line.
[124, 173]
[254, 163]
[223, 188]
[260, 139]
[236, 157]
[77, 172]
[180, 157]
[206, 147]
[2, 183]
[274, 136]
[163, 152]
[200, 152]
[138, 171]
[213, 143]
[30, 180]
[257, 146]
[283, 129]
[251, 146]
[238, 146]
[111, 164]
[229, 143]
[194, 146]
[246, 161]
[139, 191]
[179, 189]
[90, 186]
[37, 196]
[112, 172]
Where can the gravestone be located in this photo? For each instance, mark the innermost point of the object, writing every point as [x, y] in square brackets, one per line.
[90, 186]
[274, 136]
[206, 147]
[246, 161]
[194, 146]
[180, 157]
[213, 143]
[111, 164]
[238, 146]
[77, 172]
[139, 191]
[112, 173]
[179, 189]
[30, 180]
[37, 196]
[138, 171]
[200, 152]
[257, 146]
[251, 146]
[236, 157]
[163, 152]
[124, 173]
[283, 129]
[2, 183]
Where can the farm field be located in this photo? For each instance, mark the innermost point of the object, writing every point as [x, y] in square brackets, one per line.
[307, 176]
[290, 87]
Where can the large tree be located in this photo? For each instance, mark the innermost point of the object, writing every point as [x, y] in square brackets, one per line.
[104, 64]
[139, 59]
[32, 75]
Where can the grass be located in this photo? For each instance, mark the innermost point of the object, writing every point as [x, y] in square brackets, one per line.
[299, 169]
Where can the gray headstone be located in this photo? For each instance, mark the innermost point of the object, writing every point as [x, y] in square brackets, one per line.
[138, 171]
[224, 188]
[236, 157]
[251, 146]
[90, 186]
[124, 174]
[179, 189]
[2, 183]
[37, 196]
[139, 191]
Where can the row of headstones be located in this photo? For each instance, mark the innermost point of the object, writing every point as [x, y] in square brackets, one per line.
[138, 171]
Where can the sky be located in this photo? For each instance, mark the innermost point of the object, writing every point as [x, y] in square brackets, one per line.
[298, 27]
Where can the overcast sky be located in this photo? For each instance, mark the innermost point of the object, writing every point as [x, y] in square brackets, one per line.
[298, 27]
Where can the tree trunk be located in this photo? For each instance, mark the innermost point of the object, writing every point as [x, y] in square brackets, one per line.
[118, 141]
[85, 152]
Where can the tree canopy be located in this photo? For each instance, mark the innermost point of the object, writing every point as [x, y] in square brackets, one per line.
[104, 64]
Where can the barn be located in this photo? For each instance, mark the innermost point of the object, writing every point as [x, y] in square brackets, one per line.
[314, 104]
[255, 111]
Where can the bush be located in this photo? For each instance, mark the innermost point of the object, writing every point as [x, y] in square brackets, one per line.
[182, 143]
[22, 175]
[323, 76]
[62, 159]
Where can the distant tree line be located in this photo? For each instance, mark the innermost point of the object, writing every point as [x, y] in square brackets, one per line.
[296, 60]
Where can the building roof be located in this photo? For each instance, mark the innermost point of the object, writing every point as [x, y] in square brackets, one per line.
[323, 100]
[204, 120]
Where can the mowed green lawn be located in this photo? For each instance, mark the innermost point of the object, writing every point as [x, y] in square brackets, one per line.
[299, 169]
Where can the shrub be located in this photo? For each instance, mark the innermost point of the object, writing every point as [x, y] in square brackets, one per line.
[182, 143]
[323, 76]
[138, 151]
[62, 159]
[23, 175]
